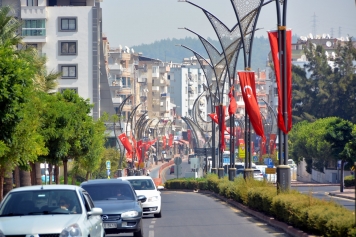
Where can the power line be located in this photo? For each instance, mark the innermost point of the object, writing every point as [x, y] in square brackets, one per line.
[314, 24]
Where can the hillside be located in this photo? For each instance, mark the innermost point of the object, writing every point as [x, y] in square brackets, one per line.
[166, 50]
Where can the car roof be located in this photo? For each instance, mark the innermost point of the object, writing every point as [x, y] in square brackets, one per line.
[134, 177]
[46, 187]
[105, 181]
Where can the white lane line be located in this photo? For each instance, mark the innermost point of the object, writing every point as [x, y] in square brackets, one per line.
[151, 233]
[151, 226]
[152, 222]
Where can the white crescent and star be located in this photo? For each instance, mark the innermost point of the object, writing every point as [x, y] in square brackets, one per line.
[248, 87]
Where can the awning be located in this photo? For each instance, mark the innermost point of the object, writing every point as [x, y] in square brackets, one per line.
[184, 141]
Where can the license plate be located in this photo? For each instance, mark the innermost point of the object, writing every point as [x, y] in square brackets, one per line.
[109, 225]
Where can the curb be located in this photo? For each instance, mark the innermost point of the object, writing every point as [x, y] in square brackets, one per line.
[341, 196]
[288, 229]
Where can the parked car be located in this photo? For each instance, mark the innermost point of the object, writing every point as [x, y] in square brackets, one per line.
[171, 170]
[122, 208]
[144, 185]
[50, 210]
[257, 174]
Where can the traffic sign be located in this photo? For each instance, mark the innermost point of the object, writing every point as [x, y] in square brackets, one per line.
[108, 165]
[177, 160]
[255, 159]
[270, 170]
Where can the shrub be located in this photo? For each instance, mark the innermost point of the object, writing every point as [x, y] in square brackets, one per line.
[260, 198]
[349, 181]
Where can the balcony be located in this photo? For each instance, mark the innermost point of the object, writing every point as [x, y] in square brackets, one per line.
[155, 88]
[125, 56]
[117, 100]
[33, 12]
[164, 82]
[141, 80]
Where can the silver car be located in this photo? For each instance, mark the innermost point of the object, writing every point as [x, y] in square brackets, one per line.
[50, 210]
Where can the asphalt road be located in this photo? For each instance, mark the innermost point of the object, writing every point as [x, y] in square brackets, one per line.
[321, 192]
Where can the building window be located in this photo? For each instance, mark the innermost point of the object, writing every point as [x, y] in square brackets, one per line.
[68, 24]
[61, 90]
[31, 3]
[69, 71]
[68, 47]
[169, 77]
[34, 28]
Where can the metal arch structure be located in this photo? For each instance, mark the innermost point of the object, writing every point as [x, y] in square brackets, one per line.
[138, 124]
[121, 106]
[133, 113]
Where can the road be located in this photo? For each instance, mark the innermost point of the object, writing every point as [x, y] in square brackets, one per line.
[321, 192]
[202, 215]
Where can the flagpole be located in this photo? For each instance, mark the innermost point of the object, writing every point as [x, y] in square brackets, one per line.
[283, 170]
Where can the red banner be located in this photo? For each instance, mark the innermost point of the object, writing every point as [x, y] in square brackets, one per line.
[232, 105]
[248, 90]
[272, 142]
[189, 135]
[220, 112]
[170, 142]
[139, 151]
[125, 142]
[164, 142]
[273, 39]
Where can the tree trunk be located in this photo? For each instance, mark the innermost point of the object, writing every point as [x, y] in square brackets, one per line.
[87, 176]
[65, 170]
[50, 173]
[8, 183]
[2, 174]
[38, 178]
[33, 174]
[342, 176]
[56, 172]
[25, 178]
[17, 177]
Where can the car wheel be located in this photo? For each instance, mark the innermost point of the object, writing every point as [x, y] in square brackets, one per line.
[140, 232]
[158, 215]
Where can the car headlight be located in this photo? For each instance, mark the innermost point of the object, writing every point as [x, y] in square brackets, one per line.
[129, 214]
[2, 234]
[152, 199]
[71, 231]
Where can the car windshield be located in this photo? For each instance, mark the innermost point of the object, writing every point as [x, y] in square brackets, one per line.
[41, 202]
[142, 184]
[109, 191]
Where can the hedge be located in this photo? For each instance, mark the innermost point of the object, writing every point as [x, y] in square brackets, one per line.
[303, 211]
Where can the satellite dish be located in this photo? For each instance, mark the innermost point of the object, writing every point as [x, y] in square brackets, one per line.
[311, 36]
[317, 37]
[303, 38]
[328, 44]
[347, 38]
[324, 36]
[120, 47]
[342, 39]
[127, 49]
[328, 36]
[132, 50]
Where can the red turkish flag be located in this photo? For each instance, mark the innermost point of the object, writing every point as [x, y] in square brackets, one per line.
[164, 142]
[247, 82]
[273, 39]
[232, 105]
[220, 112]
[214, 117]
[272, 142]
[170, 142]
[125, 142]
[139, 151]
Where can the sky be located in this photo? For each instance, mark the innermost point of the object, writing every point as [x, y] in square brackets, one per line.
[135, 22]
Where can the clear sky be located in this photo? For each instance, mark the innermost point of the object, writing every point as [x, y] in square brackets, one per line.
[135, 22]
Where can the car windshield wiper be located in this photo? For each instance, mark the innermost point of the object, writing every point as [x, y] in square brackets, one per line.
[13, 214]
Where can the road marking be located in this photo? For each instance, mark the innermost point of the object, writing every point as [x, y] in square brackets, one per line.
[152, 222]
[151, 226]
[151, 233]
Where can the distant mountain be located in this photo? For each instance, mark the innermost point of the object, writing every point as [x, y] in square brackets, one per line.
[166, 50]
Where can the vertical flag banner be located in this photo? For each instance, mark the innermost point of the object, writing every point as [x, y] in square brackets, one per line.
[221, 113]
[139, 151]
[170, 141]
[232, 105]
[248, 90]
[164, 142]
[273, 39]
[125, 142]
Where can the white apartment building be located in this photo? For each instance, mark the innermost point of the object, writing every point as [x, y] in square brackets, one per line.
[68, 33]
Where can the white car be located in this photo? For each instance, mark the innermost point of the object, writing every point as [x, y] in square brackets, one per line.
[50, 210]
[144, 185]
[257, 174]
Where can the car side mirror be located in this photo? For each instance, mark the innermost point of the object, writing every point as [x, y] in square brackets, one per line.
[141, 198]
[95, 211]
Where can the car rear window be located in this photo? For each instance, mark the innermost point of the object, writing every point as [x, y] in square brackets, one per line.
[103, 191]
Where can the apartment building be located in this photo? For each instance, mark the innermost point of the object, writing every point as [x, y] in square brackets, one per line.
[68, 33]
